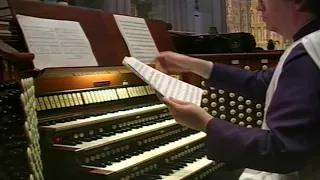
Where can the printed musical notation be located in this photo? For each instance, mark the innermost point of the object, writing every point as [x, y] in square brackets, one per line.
[56, 43]
[166, 85]
[138, 37]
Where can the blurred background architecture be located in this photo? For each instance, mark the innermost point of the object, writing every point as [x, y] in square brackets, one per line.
[242, 16]
[259, 31]
[196, 16]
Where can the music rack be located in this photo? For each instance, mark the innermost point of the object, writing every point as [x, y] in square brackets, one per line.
[99, 26]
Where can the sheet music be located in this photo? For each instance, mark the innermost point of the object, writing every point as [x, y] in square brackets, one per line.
[164, 84]
[138, 37]
[56, 43]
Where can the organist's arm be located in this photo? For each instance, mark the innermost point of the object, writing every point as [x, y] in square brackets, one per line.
[251, 84]
[246, 83]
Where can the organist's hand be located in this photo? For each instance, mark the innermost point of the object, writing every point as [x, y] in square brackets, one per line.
[173, 63]
[188, 114]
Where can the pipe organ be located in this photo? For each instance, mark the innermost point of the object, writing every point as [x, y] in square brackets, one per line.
[104, 122]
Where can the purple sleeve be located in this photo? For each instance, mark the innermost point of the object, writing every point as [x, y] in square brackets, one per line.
[250, 84]
[293, 118]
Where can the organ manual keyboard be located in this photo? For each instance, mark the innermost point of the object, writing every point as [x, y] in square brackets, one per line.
[117, 129]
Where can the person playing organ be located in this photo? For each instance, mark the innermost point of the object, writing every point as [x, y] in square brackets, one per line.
[287, 145]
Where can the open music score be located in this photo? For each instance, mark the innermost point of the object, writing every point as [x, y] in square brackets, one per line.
[166, 85]
[56, 43]
[137, 37]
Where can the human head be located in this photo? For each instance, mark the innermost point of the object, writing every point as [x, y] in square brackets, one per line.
[286, 17]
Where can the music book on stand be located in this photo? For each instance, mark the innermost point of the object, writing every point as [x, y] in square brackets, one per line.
[164, 84]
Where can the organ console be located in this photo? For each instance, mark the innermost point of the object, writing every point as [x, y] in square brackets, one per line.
[120, 130]
[106, 123]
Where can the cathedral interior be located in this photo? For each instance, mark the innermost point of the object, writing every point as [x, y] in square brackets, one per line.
[238, 16]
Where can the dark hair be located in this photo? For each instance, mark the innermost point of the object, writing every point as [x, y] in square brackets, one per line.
[312, 6]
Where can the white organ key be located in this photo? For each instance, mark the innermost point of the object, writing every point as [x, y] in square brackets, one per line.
[148, 155]
[123, 135]
[189, 169]
[104, 118]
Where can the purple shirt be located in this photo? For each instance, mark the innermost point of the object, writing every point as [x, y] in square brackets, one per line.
[293, 115]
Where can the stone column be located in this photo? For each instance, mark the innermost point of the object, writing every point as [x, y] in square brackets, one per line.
[184, 16]
[180, 13]
[118, 6]
[159, 10]
[219, 15]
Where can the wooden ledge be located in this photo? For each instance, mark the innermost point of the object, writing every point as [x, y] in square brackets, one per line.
[274, 55]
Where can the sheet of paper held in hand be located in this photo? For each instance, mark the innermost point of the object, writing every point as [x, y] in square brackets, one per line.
[166, 85]
[137, 37]
[56, 43]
